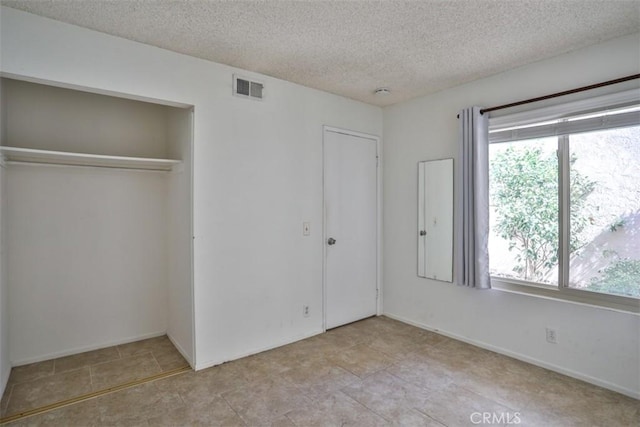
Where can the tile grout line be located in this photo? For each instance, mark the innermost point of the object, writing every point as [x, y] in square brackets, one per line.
[464, 387]
[290, 420]
[92, 395]
[232, 408]
[111, 375]
[156, 360]
[381, 415]
[430, 417]
[441, 422]
[91, 376]
[347, 369]
[364, 406]
[409, 382]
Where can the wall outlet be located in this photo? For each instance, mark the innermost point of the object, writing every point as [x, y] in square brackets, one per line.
[552, 336]
[305, 311]
[306, 228]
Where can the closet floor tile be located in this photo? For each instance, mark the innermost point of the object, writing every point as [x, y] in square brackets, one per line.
[145, 346]
[47, 390]
[124, 370]
[80, 414]
[33, 371]
[76, 361]
[169, 358]
[38, 384]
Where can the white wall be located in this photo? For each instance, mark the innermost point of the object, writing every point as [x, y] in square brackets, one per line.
[5, 358]
[5, 361]
[257, 175]
[180, 236]
[595, 344]
[3, 112]
[86, 258]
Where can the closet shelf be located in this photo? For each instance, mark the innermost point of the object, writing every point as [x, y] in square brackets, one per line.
[28, 155]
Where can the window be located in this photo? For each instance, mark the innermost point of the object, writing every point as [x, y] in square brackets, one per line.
[565, 199]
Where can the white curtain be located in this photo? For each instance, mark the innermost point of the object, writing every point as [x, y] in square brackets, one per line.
[472, 200]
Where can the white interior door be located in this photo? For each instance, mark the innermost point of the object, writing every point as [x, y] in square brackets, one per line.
[350, 200]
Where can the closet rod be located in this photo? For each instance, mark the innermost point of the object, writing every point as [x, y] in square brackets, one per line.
[563, 93]
[64, 158]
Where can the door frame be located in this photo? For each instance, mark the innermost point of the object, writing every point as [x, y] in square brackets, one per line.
[377, 140]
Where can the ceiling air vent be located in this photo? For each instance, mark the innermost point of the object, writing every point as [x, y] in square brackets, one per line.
[247, 88]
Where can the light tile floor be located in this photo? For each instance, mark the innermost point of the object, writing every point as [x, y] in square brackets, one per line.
[374, 372]
[39, 384]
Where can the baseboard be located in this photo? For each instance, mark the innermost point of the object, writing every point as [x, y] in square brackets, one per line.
[215, 362]
[180, 350]
[77, 350]
[537, 362]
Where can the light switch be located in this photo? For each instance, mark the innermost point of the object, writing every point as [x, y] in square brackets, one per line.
[306, 228]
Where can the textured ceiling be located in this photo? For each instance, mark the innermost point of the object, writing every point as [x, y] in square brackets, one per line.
[350, 48]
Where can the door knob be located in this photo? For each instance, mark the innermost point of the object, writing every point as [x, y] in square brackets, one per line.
[331, 241]
[423, 233]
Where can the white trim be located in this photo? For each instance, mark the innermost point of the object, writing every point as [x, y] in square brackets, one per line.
[562, 110]
[564, 210]
[350, 133]
[379, 251]
[603, 301]
[379, 185]
[531, 360]
[324, 239]
[286, 341]
[192, 286]
[567, 127]
[77, 350]
[420, 247]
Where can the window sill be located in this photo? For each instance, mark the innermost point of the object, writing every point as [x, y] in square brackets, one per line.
[575, 296]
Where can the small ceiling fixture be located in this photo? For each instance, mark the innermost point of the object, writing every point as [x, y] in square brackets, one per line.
[382, 91]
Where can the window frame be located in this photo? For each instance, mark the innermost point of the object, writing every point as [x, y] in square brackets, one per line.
[562, 290]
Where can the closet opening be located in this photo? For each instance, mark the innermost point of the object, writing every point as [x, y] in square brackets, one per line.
[96, 230]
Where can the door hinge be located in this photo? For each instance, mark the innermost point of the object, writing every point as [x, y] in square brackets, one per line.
[377, 161]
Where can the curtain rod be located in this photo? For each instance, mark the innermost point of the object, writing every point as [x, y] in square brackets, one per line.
[566, 92]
